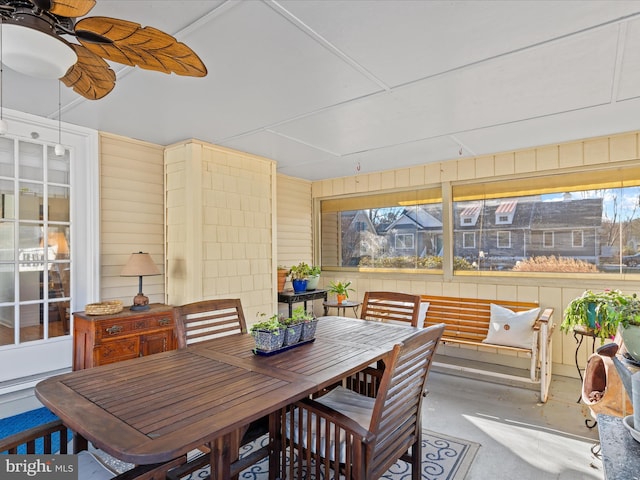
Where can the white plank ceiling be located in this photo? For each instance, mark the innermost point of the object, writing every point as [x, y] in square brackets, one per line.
[330, 88]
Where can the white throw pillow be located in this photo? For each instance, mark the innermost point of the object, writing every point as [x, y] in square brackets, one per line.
[513, 329]
[424, 306]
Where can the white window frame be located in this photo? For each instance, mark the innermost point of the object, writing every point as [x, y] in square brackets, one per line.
[404, 236]
[573, 238]
[465, 236]
[503, 233]
[546, 235]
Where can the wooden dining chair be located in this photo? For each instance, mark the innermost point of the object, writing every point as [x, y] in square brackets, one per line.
[359, 436]
[52, 438]
[391, 307]
[206, 319]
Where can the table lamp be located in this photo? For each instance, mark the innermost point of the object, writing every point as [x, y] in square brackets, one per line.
[140, 265]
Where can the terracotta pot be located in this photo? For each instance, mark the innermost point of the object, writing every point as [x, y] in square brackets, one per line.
[341, 298]
[282, 278]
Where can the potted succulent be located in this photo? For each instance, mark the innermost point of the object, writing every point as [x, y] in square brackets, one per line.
[268, 334]
[293, 329]
[308, 321]
[341, 290]
[596, 312]
[314, 278]
[299, 276]
[625, 310]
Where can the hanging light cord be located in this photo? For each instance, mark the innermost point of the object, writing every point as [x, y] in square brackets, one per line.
[59, 117]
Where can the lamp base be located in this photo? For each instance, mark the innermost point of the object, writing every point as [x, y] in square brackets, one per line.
[140, 303]
[139, 308]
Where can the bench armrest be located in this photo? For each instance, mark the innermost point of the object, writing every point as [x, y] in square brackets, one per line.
[544, 317]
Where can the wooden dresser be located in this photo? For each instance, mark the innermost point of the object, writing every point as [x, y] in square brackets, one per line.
[102, 339]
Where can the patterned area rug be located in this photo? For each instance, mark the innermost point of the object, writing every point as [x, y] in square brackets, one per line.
[443, 458]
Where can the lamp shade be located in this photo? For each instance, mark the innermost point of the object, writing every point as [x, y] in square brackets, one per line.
[140, 265]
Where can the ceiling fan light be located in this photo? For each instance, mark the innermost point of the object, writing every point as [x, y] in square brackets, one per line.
[33, 52]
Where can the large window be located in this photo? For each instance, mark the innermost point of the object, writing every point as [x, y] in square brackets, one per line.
[35, 242]
[400, 230]
[584, 222]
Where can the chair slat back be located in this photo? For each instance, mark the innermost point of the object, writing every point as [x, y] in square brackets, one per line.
[391, 306]
[207, 319]
[396, 419]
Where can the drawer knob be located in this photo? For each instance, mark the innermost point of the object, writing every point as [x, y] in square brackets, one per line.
[164, 322]
[115, 329]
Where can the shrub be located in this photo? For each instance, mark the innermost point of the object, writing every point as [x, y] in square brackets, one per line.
[554, 264]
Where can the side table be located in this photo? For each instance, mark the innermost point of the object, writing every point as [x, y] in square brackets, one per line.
[579, 334]
[344, 305]
[291, 297]
[103, 339]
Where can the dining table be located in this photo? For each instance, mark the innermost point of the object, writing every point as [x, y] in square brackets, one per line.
[156, 408]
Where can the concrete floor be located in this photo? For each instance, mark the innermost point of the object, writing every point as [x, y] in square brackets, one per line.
[520, 438]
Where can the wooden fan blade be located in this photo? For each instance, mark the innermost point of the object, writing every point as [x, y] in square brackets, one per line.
[91, 76]
[66, 8]
[145, 47]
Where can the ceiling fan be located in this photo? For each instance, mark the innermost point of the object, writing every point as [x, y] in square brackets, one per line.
[32, 43]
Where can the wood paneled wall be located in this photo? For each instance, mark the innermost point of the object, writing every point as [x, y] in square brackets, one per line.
[131, 215]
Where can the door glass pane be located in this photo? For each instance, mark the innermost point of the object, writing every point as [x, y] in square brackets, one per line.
[31, 261]
[7, 244]
[31, 327]
[7, 199]
[31, 161]
[58, 167]
[7, 164]
[31, 198]
[7, 284]
[59, 204]
[7, 325]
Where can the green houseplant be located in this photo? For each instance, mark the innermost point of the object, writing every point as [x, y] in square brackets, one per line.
[308, 321]
[625, 309]
[294, 325]
[268, 334]
[341, 290]
[314, 277]
[600, 312]
[299, 276]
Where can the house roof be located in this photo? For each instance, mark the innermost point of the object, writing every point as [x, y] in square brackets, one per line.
[586, 212]
[540, 215]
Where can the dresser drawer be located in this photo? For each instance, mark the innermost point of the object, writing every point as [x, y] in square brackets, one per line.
[118, 327]
[117, 350]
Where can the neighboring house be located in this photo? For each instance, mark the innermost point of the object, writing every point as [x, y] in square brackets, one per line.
[359, 238]
[571, 228]
[416, 232]
[504, 231]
